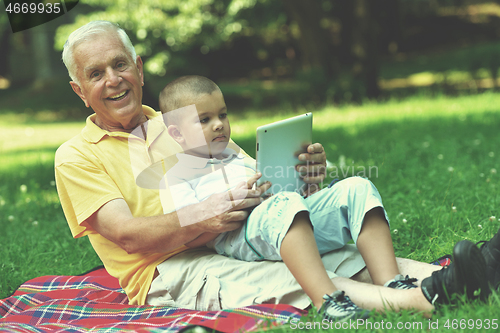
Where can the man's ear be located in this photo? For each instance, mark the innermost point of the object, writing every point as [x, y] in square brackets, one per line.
[78, 91]
[140, 67]
[174, 132]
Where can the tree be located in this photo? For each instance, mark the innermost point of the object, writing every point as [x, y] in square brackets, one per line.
[5, 34]
[335, 41]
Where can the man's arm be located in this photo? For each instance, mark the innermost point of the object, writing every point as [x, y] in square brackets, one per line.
[164, 233]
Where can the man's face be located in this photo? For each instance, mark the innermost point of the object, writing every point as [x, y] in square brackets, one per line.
[110, 82]
[207, 133]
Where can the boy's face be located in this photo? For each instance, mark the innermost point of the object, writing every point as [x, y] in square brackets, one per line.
[207, 132]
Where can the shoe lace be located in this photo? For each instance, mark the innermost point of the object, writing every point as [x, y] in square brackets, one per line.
[342, 301]
[405, 283]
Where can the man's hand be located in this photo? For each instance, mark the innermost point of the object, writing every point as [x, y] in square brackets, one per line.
[228, 210]
[314, 171]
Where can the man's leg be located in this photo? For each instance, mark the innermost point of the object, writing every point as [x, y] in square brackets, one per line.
[466, 275]
[369, 296]
[416, 269]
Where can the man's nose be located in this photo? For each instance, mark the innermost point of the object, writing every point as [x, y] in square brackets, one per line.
[112, 77]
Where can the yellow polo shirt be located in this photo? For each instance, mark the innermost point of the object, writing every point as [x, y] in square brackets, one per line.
[97, 166]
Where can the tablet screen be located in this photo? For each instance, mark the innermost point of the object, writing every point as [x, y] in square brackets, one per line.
[277, 147]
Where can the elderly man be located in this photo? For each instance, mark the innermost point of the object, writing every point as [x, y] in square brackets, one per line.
[145, 250]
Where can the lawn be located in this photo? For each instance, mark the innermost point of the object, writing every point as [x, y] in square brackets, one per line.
[434, 161]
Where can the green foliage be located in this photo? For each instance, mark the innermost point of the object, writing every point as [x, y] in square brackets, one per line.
[258, 40]
[159, 29]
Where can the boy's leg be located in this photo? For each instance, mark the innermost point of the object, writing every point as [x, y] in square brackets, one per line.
[280, 229]
[375, 245]
[301, 256]
[353, 208]
[300, 253]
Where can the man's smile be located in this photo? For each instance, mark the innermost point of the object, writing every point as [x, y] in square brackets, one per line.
[118, 96]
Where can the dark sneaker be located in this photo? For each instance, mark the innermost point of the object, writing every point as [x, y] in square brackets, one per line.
[491, 252]
[465, 275]
[338, 307]
[401, 282]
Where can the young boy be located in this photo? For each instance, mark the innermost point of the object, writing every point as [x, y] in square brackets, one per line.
[286, 226]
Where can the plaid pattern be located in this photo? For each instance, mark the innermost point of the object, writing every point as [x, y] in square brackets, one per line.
[443, 261]
[95, 302]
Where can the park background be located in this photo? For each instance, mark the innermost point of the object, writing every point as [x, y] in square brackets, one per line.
[408, 87]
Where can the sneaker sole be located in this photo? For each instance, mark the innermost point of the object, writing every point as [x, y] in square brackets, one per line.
[470, 268]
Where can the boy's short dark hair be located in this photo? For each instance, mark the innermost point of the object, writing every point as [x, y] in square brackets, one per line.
[182, 91]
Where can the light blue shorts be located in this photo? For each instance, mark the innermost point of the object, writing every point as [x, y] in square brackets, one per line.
[336, 214]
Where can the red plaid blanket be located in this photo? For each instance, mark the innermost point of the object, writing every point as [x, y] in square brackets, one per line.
[95, 302]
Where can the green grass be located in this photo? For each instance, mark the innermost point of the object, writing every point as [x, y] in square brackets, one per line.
[35, 237]
[426, 157]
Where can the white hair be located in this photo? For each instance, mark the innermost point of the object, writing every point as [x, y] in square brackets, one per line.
[85, 33]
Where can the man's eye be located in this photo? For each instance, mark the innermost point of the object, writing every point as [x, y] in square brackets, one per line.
[95, 75]
[120, 65]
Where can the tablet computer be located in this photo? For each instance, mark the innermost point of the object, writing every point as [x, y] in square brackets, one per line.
[277, 148]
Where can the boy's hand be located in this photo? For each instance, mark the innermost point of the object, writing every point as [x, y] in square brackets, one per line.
[314, 171]
[251, 185]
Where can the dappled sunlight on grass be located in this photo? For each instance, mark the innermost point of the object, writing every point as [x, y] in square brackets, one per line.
[353, 117]
[459, 80]
[15, 136]
[33, 136]
[4, 83]
[412, 108]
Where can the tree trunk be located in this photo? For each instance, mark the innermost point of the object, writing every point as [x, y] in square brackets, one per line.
[5, 47]
[41, 45]
[365, 44]
[313, 41]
